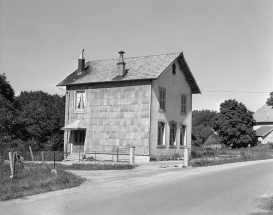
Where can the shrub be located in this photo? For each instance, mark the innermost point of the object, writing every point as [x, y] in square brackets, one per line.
[196, 153]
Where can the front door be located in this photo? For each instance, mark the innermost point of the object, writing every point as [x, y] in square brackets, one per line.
[78, 141]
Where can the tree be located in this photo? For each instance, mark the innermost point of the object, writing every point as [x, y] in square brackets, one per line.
[270, 100]
[43, 115]
[5, 88]
[234, 124]
[202, 125]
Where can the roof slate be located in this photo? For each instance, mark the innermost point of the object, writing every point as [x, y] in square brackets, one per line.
[264, 114]
[137, 68]
[263, 131]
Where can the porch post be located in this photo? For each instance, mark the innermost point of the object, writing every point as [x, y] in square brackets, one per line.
[84, 143]
[65, 144]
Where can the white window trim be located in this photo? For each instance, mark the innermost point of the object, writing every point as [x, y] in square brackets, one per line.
[164, 134]
[175, 136]
[75, 102]
[184, 135]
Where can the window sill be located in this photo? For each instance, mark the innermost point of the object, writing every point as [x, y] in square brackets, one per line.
[160, 147]
[172, 147]
[79, 111]
[182, 147]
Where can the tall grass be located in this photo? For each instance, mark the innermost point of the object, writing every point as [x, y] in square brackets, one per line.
[34, 180]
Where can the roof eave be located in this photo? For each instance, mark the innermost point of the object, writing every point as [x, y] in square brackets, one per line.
[188, 74]
[106, 82]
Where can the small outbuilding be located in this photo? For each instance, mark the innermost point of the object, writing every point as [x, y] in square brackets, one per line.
[264, 124]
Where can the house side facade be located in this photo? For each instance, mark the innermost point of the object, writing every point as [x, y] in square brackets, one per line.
[170, 124]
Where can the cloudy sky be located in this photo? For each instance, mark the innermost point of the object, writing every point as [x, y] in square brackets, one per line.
[228, 44]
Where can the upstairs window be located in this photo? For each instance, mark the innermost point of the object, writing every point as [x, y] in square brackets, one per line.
[183, 104]
[172, 133]
[161, 132]
[162, 99]
[174, 69]
[80, 103]
[182, 135]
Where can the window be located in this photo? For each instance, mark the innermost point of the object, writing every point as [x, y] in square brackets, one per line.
[162, 99]
[172, 133]
[183, 104]
[182, 135]
[79, 136]
[80, 100]
[161, 130]
[174, 68]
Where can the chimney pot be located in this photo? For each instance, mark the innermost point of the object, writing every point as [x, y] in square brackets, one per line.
[81, 62]
[121, 64]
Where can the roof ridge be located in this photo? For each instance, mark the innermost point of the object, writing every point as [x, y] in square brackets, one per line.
[146, 56]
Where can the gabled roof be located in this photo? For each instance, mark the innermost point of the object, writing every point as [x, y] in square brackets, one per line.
[137, 68]
[264, 114]
[263, 131]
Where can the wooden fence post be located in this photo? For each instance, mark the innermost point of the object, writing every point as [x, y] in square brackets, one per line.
[132, 156]
[11, 164]
[117, 154]
[31, 155]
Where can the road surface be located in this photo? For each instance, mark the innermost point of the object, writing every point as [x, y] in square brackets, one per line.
[225, 189]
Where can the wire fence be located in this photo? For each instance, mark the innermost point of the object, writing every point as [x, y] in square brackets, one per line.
[37, 155]
[220, 156]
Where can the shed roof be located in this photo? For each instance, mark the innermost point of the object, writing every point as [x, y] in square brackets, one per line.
[137, 68]
[263, 131]
[264, 114]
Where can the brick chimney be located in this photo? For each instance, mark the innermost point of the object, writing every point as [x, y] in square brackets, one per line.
[81, 61]
[121, 64]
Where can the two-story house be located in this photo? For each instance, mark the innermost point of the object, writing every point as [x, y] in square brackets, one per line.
[145, 102]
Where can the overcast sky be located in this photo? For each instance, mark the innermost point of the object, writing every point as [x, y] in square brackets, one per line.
[228, 44]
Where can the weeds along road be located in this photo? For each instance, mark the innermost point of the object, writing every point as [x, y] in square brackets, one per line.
[225, 189]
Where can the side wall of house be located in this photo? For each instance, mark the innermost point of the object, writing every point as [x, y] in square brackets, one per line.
[117, 114]
[175, 86]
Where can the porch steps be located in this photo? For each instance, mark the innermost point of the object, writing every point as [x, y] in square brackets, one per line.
[74, 157]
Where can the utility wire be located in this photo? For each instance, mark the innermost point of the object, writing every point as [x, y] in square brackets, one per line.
[216, 91]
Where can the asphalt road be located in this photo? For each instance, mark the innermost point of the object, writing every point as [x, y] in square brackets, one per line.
[226, 189]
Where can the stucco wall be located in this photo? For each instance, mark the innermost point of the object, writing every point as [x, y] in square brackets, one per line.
[117, 114]
[175, 86]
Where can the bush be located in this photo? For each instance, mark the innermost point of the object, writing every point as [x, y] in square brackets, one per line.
[196, 153]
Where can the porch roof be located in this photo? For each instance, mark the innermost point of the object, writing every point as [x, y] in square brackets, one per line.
[76, 125]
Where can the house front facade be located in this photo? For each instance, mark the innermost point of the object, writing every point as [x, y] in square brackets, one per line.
[144, 102]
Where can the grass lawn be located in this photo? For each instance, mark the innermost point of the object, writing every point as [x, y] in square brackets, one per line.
[34, 180]
[39, 179]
